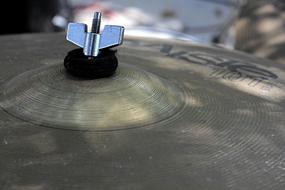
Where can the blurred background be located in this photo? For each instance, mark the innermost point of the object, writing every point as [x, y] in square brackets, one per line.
[252, 26]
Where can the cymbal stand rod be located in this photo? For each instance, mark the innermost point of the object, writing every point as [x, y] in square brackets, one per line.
[96, 23]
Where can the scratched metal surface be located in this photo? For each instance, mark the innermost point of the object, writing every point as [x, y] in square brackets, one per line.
[175, 116]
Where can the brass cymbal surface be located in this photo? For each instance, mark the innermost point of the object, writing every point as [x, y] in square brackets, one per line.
[174, 116]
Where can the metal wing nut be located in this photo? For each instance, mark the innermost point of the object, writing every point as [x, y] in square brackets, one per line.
[92, 42]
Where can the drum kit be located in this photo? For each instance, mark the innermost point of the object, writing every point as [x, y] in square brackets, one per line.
[174, 115]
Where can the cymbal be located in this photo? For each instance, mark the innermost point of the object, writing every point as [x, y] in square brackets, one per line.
[174, 116]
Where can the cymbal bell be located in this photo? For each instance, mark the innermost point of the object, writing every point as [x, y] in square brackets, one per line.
[131, 98]
[174, 116]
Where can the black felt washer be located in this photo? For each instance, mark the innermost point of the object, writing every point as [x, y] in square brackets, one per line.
[104, 65]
